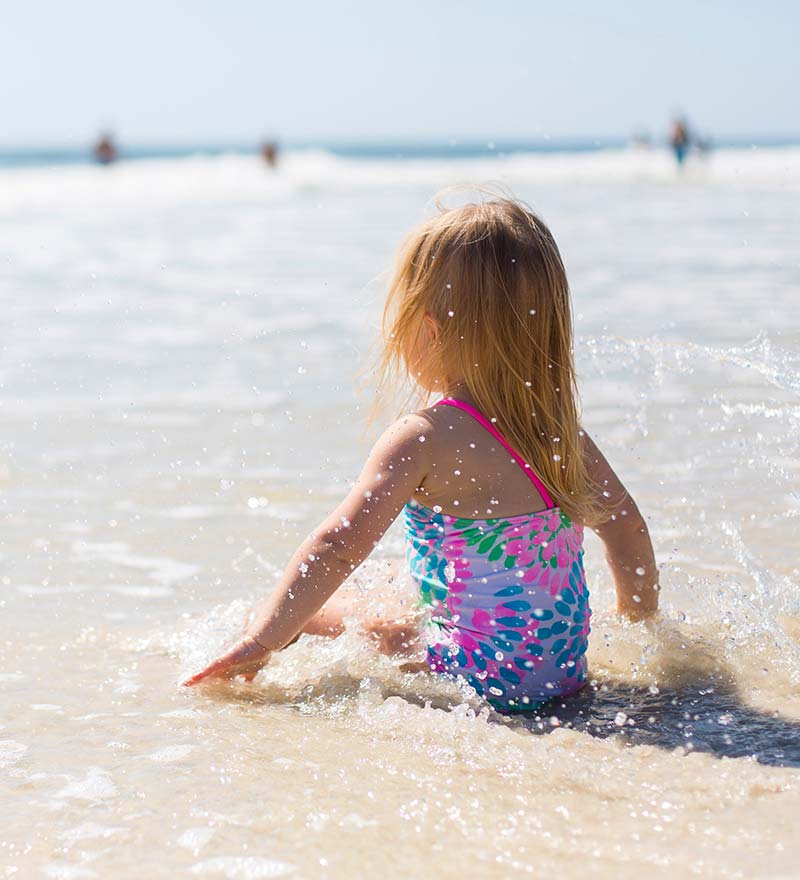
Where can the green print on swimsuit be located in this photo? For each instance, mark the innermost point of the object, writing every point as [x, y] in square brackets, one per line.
[493, 536]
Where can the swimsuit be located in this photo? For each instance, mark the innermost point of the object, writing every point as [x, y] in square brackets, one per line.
[509, 605]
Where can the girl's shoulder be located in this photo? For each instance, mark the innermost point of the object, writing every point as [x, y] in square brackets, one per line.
[436, 420]
[427, 430]
[411, 431]
[438, 433]
[443, 426]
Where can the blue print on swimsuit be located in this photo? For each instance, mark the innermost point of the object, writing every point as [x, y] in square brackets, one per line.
[427, 566]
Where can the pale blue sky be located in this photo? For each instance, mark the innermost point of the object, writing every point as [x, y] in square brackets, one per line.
[232, 70]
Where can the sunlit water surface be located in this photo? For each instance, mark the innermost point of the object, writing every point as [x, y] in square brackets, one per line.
[180, 344]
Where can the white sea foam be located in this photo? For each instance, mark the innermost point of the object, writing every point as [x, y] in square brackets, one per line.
[91, 831]
[165, 571]
[243, 867]
[171, 753]
[195, 180]
[11, 752]
[97, 785]
[195, 839]
[67, 871]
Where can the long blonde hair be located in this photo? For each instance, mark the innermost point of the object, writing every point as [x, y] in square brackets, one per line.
[491, 276]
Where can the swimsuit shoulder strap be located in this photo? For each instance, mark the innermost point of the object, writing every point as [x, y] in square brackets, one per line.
[482, 420]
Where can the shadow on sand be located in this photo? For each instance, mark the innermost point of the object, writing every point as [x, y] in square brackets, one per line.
[702, 716]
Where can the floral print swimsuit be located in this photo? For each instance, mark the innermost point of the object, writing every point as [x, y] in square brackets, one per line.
[509, 605]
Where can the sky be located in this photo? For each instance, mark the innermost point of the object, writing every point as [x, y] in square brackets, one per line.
[235, 71]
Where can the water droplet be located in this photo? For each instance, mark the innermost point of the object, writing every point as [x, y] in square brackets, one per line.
[640, 571]
[620, 719]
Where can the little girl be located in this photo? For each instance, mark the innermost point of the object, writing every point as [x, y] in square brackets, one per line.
[495, 481]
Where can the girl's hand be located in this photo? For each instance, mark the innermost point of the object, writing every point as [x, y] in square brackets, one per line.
[244, 658]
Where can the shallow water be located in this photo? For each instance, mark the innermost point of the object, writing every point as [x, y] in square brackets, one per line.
[178, 403]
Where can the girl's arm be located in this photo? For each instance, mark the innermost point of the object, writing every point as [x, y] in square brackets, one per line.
[629, 552]
[394, 470]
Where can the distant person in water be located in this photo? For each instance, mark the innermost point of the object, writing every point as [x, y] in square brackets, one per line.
[269, 153]
[679, 140]
[105, 151]
[703, 145]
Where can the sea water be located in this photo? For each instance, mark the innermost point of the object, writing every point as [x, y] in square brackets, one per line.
[179, 404]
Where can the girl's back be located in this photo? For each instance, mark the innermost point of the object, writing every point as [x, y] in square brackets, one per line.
[499, 564]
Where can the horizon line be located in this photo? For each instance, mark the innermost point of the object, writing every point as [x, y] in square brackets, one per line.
[486, 142]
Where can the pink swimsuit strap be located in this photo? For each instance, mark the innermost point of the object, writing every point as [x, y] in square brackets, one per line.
[481, 419]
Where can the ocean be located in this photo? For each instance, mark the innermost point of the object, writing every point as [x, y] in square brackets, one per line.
[182, 398]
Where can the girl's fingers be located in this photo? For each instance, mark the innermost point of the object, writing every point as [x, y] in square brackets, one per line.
[240, 660]
[199, 676]
[218, 667]
[193, 679]
[221, 673]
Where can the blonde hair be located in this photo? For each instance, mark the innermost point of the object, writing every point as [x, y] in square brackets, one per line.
[491, 276]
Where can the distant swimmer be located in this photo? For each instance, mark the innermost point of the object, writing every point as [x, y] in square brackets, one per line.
[269, 153]
[105, 151]
[703, 145]
[679, 140]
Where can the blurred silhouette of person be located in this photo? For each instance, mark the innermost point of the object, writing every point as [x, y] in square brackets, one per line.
[269, 153]
[641, 139]
[679, 139]
[703, 145]
[105, 150]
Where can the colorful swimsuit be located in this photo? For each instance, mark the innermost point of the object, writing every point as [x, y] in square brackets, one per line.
[508, 596]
